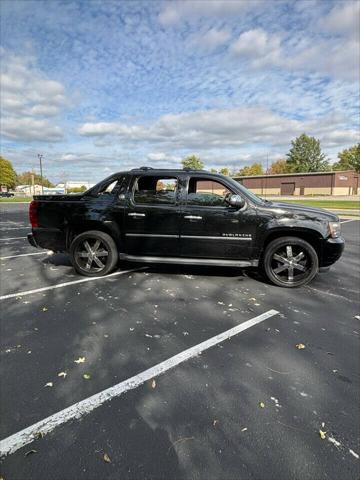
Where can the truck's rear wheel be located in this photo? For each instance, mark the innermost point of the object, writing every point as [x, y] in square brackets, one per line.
[93, 253]
[290, 262]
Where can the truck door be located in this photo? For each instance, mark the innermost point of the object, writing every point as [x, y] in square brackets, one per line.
[210, 228]
[152, 225]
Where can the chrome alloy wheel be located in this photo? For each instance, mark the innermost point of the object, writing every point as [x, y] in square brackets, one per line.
[92, 255]
[291, 263]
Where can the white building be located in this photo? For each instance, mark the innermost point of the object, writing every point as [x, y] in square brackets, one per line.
[74, 184]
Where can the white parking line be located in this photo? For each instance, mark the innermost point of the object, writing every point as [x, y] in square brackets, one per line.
[350, 220]
[66, 284]
[20, 439]
[5, 229]
[13, 238]
[27, 254]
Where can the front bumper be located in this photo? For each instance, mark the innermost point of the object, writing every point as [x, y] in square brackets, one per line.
[332, 251]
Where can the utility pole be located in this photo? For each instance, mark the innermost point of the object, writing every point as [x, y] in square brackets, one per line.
[40, 157]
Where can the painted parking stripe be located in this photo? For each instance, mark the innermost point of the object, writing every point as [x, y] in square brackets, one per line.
[27, 254]
[12, 238]
[67, 284]
[20, 439]
[350, 220]
[5, 229]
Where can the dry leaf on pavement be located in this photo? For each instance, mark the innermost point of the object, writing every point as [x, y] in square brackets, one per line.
[44, 309]
[322, 434]
[62, 374]
[300, 346]
[262, 405]
[87, 376]
[49, 384]
[30, 452]
[153, 383]
[80, 360]
[106, 458]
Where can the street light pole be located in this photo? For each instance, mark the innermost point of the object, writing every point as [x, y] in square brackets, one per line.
[41, 174]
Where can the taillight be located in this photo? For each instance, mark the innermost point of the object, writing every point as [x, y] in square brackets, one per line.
[33, 214]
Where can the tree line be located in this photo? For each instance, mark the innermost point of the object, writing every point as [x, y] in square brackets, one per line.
[304, 156]
[9, 178]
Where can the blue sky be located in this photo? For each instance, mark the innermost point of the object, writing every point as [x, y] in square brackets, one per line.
[101, 86]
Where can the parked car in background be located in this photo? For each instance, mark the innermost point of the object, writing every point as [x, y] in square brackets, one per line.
[185, 217]
[6, 194]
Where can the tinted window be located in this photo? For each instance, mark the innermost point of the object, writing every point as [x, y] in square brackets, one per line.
[207, 193]
[155, 190]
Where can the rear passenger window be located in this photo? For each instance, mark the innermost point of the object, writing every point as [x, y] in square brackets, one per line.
[206, 193]
[155, 190]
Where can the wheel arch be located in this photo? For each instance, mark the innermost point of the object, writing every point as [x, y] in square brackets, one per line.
[313, 237]
[111, 228]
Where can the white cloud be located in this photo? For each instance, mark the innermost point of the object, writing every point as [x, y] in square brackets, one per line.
[234, 128]
[211, 39]
[28, 100]
[28, 129]
[343, 19]
[338, 58]
[173, 12]
[259, 46]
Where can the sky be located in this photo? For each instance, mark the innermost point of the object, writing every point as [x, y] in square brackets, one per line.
[102, 86]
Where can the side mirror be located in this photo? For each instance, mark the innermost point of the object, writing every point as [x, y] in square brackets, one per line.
[236, 201]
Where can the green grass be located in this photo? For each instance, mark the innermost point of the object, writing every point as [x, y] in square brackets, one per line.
[336, 204]
[15, 199]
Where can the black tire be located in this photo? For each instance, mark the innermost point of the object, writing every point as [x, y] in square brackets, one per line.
[94, 253]
[290, 262]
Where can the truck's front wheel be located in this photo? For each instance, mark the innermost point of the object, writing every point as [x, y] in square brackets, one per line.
[93, 253]
[290, 262]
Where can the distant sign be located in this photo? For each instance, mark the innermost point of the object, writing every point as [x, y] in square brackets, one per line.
[342, 177]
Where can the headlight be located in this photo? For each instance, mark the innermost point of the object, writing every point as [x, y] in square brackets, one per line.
[335, 229]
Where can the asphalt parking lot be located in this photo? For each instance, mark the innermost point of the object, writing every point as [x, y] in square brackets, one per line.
[249, 407]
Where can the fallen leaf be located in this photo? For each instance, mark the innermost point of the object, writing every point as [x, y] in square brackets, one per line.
[322, 434]
[39, 435]
[62, 374]
[300, 346]
[215, 422]
[30, 452]
[44, 309]
[80, 360]
[106, 458]
[86, 376]
[153, 383]
[244, 429]
[49, 384]
[357, 317]
[262, 405]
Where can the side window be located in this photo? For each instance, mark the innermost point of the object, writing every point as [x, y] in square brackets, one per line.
[155, 190]
[109, 187]
[206, 193]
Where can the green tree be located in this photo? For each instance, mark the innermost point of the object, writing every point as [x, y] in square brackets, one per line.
[213, 170]
[25, 179]
[225, 171]
[305, 155]
[7, 173]
[278, 167]
[349, 159]
[192, 162]
[77, 189]
[254, 169]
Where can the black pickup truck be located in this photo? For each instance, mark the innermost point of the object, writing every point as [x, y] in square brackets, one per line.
[185, 217]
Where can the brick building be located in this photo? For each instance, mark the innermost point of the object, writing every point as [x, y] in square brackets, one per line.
[320, 183]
